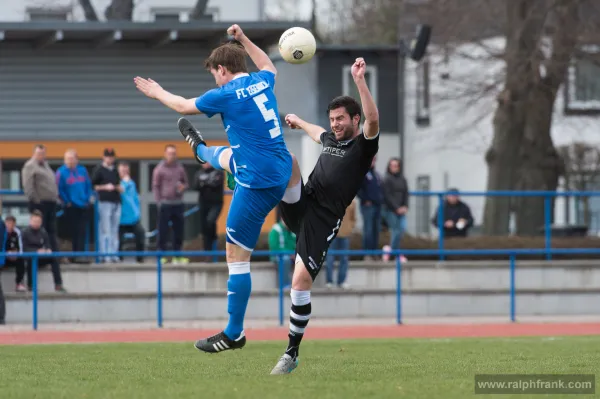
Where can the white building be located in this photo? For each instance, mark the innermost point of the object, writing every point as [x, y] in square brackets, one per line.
[449, 152]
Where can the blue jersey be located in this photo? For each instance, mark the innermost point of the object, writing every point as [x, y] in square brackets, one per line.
[248, 109]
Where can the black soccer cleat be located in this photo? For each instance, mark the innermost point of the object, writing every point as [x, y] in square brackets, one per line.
[191, 135]
[220, 342]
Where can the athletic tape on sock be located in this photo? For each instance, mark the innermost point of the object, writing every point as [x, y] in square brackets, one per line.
[239, 268]
[292, 194]
[300, 298]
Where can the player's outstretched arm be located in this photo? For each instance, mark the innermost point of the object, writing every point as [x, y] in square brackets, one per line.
[314, 131]
[259, 57]
[371, 127]
[178, 104]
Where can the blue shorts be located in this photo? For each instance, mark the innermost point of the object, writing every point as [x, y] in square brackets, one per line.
[248, 211]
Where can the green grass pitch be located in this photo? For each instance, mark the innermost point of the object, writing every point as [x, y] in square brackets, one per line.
[399, 368]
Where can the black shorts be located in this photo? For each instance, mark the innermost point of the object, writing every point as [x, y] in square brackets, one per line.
[315, 227]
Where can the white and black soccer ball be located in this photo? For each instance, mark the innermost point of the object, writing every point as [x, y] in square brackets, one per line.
[297, 45]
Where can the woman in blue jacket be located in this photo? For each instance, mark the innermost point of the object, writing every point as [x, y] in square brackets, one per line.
[130, 211]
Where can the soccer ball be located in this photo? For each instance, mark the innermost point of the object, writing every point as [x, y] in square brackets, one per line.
[297, 45]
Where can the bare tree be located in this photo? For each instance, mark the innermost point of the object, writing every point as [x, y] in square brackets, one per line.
[541, 37]
[199, 9]
[121, 10]
[88, 10]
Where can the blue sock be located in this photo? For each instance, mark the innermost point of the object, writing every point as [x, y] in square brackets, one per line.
[239, 286]
[210, 155]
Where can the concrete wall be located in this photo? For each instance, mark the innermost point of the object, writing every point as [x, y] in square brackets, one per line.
[123, 293]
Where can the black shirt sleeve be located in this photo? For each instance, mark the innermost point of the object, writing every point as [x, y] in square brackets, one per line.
[322, 137]
[369, 146]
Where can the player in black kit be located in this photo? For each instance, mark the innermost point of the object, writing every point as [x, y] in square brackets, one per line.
[314, 211]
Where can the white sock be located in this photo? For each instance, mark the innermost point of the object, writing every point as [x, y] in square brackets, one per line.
[292, 194]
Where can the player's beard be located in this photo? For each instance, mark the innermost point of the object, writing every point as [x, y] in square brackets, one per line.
[346, 134]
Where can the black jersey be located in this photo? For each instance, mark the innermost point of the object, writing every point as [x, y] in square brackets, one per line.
[340, 171]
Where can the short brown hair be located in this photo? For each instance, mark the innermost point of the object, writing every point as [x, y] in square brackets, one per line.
[231, 56]
[36, 212]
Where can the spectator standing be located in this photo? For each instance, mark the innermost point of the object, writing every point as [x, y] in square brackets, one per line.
[342, 243]
[35, 239]
[75, 190]
[457, 216]
[395, 195]
[169, 181]
[39, 185]
[2, 261]
[130, 211]
[209, 182]
[371, 199]
[281, 238]
[105, 179]
[14, 245]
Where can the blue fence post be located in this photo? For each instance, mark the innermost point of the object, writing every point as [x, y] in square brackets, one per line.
[34, 276]
[97, 226]
[398, 290]
[281, 280]
[512, 288]
[547, 222]
[441, 225]
[159, 310]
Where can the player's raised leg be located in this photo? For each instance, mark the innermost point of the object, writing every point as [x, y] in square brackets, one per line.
[217, 156]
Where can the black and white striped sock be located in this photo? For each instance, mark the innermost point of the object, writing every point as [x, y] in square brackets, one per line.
[299, 317]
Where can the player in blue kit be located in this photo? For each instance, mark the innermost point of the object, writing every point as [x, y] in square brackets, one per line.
[258, 159]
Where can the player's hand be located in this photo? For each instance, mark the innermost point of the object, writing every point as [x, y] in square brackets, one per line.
[358, 68]
[236, 32]
[293, 121]
[147, 86]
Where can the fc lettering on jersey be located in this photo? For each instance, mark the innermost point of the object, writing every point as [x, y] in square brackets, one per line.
[251, 90]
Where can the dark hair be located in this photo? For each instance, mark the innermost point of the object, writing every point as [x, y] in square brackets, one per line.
[124, 163]
[392, 159]
[351, 106]
[39, 146]
[230, 56]
[36, 212]
[11, 218]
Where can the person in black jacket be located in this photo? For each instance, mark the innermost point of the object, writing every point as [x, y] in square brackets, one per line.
[457, 216]
[35, 239]
[371, 199]
[209, 184]
[14, 244]
[395, 195]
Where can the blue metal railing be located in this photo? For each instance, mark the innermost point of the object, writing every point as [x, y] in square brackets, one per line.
[149, 234]
[512, 255]
[547, 195]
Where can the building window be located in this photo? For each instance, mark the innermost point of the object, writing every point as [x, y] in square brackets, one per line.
[349, 87]
[582, 88]
[48, 14]
[166, 17]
